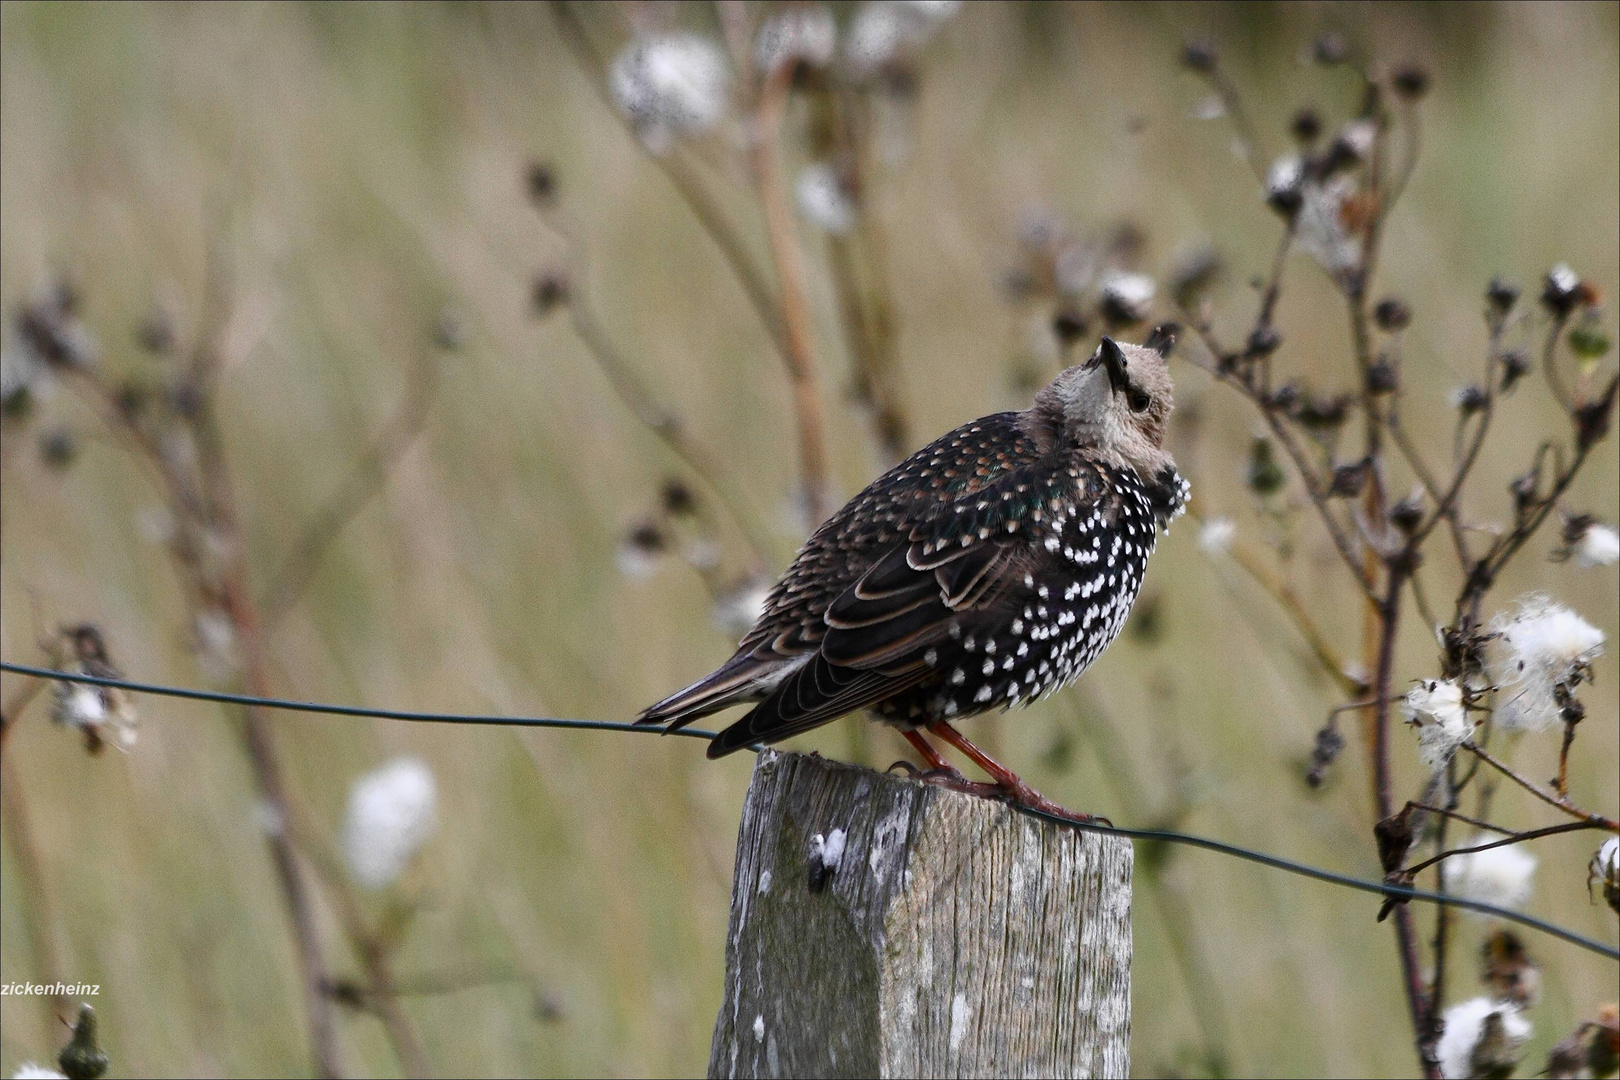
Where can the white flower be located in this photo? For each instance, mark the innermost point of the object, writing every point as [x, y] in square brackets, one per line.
[104, 713]
[1563, 279]
[30, 1071]
[824, 198]
[1436, 708]
[1538, 647]
[1608, 857]
[1464, 1027]
[1321, 225]
[1216, 535]
[1501, 875]
[392, 812]
[1599, 545]
[1605, 868]
[1285, 176]
[884, 29]
[804, 33]
[670, 85]
[736, 612]
[1132, 294]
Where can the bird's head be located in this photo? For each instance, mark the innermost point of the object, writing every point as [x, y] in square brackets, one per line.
[1118, 402]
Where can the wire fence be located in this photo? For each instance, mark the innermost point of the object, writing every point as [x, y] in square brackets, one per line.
[1220, 847]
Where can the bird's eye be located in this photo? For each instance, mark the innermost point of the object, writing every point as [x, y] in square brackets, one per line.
[1138, 401]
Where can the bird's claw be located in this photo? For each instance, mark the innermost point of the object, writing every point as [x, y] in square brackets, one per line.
[1027, 797]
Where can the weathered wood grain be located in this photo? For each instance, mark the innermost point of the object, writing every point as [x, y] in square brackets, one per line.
[954, 937]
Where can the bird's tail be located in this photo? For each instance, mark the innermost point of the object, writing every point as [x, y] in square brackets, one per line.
[740, 679]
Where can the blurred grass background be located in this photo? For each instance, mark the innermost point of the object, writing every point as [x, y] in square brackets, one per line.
[360, 168]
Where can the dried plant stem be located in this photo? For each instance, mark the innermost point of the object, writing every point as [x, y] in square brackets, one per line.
[1515, 838]
[219, 499]
[366, 478]
[1232, 102]
[795, 303]
[1314, 487]
[38, 908]
[1453, 815]
[273, 792]
[1484, 572]
[1405, 934]
[1282, 591]
[1442, 916]
[786, 318]
[1447, 504]
[1549, 363]
[207, 503]
[755, 283]
[384, 1001]
[663, 421]
[865, 307]
[372, 946]
[1561, 784]
[1594, 820]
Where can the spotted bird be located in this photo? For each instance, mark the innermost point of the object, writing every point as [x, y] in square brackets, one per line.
[990, 568]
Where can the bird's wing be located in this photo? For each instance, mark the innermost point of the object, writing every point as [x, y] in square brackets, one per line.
[905, 616]
[744, 677]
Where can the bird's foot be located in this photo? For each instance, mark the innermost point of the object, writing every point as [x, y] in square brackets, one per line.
[904, 766]
[1007, 787]
[952, 780]
[1021, 794]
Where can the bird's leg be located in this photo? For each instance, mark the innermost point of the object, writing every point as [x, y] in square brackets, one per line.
[942, 772]
[1007, 784]
[926, 750]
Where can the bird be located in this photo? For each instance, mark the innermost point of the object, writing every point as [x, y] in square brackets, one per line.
[989, 569]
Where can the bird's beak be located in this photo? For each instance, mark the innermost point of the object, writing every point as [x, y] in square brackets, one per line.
[1109, 355]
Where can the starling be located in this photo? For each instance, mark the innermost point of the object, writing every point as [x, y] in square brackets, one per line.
[990, 568]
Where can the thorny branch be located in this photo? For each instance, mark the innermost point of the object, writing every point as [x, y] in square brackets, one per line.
[1386, 542]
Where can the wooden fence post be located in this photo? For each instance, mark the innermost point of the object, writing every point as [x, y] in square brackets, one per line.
[885, 927]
